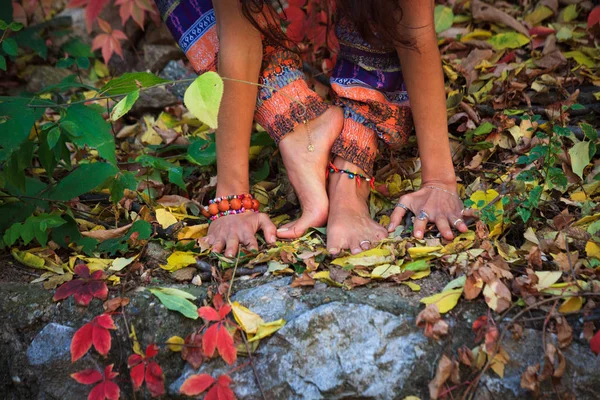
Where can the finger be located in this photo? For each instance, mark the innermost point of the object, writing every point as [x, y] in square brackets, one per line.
[470, 212]
[251, 243]
[396, 218]
[444, 228]
[458, 223]
[268, 228]
[233, 246]
[419, 228]
[218, 245]
[365, 244]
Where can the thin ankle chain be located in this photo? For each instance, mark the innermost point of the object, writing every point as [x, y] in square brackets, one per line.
[310, 147]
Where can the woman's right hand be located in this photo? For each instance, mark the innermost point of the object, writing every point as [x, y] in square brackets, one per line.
[227, 233]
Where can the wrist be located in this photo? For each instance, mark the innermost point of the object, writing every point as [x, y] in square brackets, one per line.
[232, 188]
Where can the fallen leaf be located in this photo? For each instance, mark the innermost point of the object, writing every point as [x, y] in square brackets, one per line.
[179, 260]
[445, 301]
[366, 258]
[497, 296]
[547, 279]
[175, 343]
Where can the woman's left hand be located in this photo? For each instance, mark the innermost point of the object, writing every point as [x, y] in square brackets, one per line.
[441, 206]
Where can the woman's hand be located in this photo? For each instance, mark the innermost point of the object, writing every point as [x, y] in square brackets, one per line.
[227, 233]
[442, 206]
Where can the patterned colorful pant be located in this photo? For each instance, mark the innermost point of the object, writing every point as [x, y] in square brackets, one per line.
[366, 81]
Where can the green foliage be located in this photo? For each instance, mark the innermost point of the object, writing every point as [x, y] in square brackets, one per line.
[34, 227]
[203, 98]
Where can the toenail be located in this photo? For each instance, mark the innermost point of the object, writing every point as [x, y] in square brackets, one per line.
[356, 251]
[418, 233]
[333, 250]
[272, 239]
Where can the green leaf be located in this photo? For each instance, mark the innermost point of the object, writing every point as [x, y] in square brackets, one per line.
[589, 131]
[580, 157]
[53, 136]
[83, 62]
[538, 15]
[175, 173]
[15, 26]
[3, 24]
[508, 40]
[202, 154]
[176, 303]
[91, 130]
[444, 17]
[570, 13]
[261, 173]
[580, 58]
[484, 129]
[77, 48]
[203, 98]
[65, 63]
[46, 156]
[124, 105]
[19, 120]
[82, 180]
[117, 185]
[178, 293]
[130, 82]
[10, 47]
[2, 63]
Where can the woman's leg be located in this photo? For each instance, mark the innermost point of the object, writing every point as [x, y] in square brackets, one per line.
[369, 88]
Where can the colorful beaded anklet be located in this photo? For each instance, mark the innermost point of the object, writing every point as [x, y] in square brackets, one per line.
[351, 175]
[230, 205]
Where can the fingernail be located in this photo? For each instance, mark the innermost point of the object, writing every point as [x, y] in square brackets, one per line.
[356, 251]
[229, 255]
[333, 250]
[418, 234]
[272, 239]
[283, 229]
[389, 227]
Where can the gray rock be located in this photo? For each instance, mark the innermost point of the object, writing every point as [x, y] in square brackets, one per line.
[51, 344]
[176, 71]
[272, 301]
[42, 76]
[154, 99]
[157, 56]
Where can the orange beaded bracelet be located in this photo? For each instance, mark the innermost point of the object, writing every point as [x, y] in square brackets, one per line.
[230, 205]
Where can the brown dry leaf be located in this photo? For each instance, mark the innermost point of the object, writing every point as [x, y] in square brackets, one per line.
[359, 281]
[105, 234]
[588, 330]
[288, 257]
[564, 332]
[551, 56]
[338, 274]
[491, 338]
[517, 331]
[430, 314]
[562, 220]
[184, 274]
[465, 356]
[562, 364]
[473, 287]
[501, 268]
[113, 304]
[487, 13]
[487, 274]
[534, 258]
[304, 280]
[497, 296]
[566, 261]
[192, 351]
[173, 200]
[443, 372]
[530, 378]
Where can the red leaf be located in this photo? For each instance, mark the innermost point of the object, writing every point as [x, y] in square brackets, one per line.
[105, 321]
[213, 394]
[155, 380]
[87, 377]
[209, 314]
[595, 343]
[225, 345]
[82, 270]
[137, 375]
[209, 340]
[98, 392]
[92, 11]
[223, 311]
[218, 301]
[224, 380]
[594, 17]
[134, 360]
[111, 391]
[108, 372]
[224, 393]
[67, 289]
[151, 350]
[81, 342]
[196, 384]
[83, 299]
[83, 289]
[192, 353]
[101, 339]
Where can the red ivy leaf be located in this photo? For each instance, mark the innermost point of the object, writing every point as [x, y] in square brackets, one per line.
[192, 353]
[594, 17]
[137, 375]
[81, 342]
[93, 8]
[87, 377]
[196, 384]
[134, 360]
[106, 390]
[225, 345]
[135, 9]
[151, 350]
[209, 340]
[218, 301]
[595, 343]
[85, 288]
[223, 311]
[155, 380]
[105, 321]
[209, 314]
[101, 339]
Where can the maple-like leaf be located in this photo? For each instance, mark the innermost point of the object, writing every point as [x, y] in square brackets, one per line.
[209, 340]
[93, 8]
[85, 288]
[225, 345]
[196, 384]
[105, 390]
[109, 41]
[595, 343]
[144, 369]
[209, 314]
[135, 9]
[95, 332]
[192, 351]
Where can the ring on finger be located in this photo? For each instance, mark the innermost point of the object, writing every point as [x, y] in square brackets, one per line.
[457, 221]
[365, 241]
[423, 216]
[402, 206]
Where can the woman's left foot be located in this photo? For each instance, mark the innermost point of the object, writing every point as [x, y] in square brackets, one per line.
[350, 225]
[307, 169]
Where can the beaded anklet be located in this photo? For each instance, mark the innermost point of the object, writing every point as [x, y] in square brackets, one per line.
[230, 205]
[351, 175]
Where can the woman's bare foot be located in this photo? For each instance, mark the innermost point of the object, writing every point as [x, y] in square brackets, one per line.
[307, 169]
[350, 225]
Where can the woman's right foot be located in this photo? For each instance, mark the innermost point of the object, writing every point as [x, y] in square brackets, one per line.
[307, 170]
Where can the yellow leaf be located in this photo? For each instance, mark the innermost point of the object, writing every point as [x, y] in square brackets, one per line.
[592, 250]
[572, 304]
[413, 286]
[114, 279]
[385, 271]
[137, 349]
[97, 264]
[476, 34]
[175, 343]
[178, 260]
[150, 136]
[579, 196]
[267, 329]
[366, 258]
[31, 260]
[248, 320]
[193, 232]
[417, 252]
[460, 243]
[445, 301]
[324, 277]
[421, 274]
[121, 262]
[165, 218]
[547, 279]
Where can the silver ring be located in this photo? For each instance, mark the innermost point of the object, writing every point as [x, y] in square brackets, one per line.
[462, 212]
[402, 206]
[423, 216]
[457, 221]
[365, 241]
